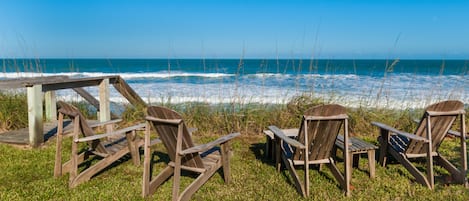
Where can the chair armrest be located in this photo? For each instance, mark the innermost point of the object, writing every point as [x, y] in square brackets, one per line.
[205, 147]
[69, 130]
[401, 133]
[97, 124]
[167, 121]
[279, 133]
[117, 132]
[457, 134]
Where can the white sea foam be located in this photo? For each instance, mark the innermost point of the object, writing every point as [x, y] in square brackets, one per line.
[392, 91]
[141, 75]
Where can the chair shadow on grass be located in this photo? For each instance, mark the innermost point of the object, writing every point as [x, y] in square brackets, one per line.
[260, 153]
[51, 133]
[161, 157]
[90, 160]
[442, 177]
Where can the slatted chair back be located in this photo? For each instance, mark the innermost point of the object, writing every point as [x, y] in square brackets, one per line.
[75, 114]
[168, 134]
[321, 131]
[439, 125]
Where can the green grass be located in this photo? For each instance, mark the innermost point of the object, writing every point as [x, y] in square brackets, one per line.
[27, 174]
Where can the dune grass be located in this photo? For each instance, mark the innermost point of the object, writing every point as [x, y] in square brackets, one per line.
[27, 174]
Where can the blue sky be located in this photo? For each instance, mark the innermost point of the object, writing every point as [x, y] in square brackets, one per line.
[331, 29]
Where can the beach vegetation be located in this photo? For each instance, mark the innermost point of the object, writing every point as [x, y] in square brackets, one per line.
[27, 174]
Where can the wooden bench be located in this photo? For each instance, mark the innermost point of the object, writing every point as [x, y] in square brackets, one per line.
[357, 147]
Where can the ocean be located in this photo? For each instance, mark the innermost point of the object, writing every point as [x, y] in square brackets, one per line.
[354, 83]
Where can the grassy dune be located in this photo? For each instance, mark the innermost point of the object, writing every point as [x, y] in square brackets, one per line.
[27, 174]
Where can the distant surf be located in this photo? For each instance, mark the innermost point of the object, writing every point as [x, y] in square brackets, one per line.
[355, 83]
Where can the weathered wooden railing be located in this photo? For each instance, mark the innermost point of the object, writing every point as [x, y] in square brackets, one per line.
[39, 86]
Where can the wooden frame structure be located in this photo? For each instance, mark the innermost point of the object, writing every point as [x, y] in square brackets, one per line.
[435, 124]
[314, 144]
[203, 159]
[39, 86]
[108, 147]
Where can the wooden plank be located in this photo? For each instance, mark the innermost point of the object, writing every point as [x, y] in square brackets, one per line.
[75, 83]
[123, 88]
[278, 132]
[35, 115]
[87, 96]
[51, 83]
[91, 99]
[22, 82]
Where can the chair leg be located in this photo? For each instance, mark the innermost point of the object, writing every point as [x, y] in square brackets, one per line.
[402, 159]
[176, 182]
[277, 149]
[225, 157]
[150, 185]
[341, 178]
[58, 157]
[133, 148]
[196, 184]
[383, 140]
[355, 160]
[58, 149]
[73, 164]
[371, 163]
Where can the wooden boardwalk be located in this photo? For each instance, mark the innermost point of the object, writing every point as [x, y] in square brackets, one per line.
[41, 100]
[21, 136]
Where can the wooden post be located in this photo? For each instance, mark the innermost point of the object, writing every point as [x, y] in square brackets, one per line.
[104, 106]
[35, 115]
[51, 107]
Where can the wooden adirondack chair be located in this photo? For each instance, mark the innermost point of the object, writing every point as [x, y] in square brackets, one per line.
[424, 143]
[108, 147]
[317, 135]
[201, 159]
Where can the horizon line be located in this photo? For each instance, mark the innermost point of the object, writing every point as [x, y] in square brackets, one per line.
[222, 58]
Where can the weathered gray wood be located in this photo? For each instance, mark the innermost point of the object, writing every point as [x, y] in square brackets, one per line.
[278, 132]
[410, 167]
[182, 153]
[357, 147]
[52, 83]
[383, 147]
[35, 115]
[58, 150]
[393, 130]
[318, 131]
[433, 127]
[87, 96]
[109, 151]
[123, 88]
[371, 163]
[300, 187]
[117, 132]
[51, 107]
[462, 151]
[225, 158]
[23, 82]
[207, 146]
[104, 106]
[92, 100]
